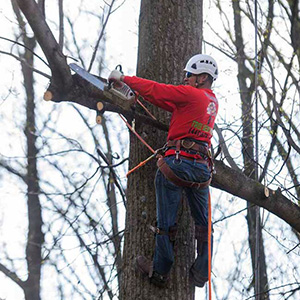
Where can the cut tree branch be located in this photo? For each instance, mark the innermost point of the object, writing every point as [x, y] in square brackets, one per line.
[238, 184]
[87, 95]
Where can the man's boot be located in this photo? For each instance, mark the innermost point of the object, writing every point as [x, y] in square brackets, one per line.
[196, 278]
[198, 271]
[145, 266]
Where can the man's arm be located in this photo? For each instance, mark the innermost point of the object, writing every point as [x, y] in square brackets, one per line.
[166, 96]
[162, 95]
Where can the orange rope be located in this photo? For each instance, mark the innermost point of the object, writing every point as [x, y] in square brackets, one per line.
[137, 95]
[141, 164]
[143, 141]
[209, 246]
[145, 109]
[137, 135]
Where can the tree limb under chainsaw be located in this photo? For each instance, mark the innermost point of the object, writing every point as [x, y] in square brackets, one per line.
[85, 94]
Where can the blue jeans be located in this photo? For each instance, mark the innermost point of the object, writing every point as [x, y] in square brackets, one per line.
[168, 197]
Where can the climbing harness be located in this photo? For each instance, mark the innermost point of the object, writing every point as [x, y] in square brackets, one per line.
[184, 145]
[187, 146]
[171, 176]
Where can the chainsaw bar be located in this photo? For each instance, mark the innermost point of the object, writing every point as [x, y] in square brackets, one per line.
[124, 91]
[88, 77]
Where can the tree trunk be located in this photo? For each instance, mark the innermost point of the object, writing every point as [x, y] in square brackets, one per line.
[35, 235]
[169, 33]
[262, 285]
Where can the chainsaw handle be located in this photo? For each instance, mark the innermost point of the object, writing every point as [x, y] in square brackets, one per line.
[119, 68]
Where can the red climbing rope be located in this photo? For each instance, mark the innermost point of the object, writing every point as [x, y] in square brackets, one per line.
[141, 163]
[209, 246]
[137, 135]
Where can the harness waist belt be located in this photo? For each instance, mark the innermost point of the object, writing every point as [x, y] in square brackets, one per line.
[188, 145]
[171, 176]
[201, 161]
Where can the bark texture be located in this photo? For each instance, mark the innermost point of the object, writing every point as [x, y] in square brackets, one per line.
[169, 33]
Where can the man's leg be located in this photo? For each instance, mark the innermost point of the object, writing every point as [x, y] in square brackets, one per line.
[168, 197]
[198, 201]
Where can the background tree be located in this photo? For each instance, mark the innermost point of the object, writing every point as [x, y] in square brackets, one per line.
[35, 236]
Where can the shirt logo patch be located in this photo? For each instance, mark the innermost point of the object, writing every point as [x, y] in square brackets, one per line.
[212, 109]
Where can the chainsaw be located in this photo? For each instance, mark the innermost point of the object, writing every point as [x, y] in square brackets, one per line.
[121, 89]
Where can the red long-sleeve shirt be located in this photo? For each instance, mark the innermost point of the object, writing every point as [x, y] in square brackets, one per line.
[193, 110]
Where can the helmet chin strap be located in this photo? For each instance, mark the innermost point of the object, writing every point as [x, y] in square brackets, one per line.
[198, 84]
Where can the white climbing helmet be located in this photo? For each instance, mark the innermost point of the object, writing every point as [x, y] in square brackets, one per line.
[202, 63]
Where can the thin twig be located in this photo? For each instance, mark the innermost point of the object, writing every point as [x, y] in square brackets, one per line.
[26, 63]
[101, 35]
[61, 24]
[22, 45]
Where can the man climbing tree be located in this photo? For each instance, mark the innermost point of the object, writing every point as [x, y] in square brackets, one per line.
[185, 165]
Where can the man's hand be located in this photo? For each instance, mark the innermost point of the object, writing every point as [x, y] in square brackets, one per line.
[115, 76]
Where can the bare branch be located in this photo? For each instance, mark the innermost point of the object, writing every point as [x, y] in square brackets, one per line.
[27, 48]
[12, 275]
[278, 118]
[75, 42]
[61, 75]
[12, 171]
[225, 149]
